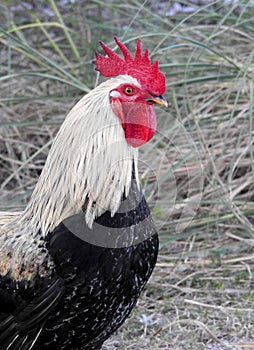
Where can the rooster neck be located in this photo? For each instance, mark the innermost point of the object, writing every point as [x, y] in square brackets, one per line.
[89, 166]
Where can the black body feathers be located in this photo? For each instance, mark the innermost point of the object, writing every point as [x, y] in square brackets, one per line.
[92, 288]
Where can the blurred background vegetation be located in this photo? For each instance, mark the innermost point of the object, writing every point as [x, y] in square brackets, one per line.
[198, 170]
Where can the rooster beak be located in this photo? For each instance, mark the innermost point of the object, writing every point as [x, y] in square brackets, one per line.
[159, 100]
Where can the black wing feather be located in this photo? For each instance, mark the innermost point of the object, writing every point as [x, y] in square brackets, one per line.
[20, 330]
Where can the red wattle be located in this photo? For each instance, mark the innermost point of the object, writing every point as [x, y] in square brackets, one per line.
[140, 123]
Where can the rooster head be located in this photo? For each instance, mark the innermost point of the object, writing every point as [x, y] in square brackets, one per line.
[134, 103]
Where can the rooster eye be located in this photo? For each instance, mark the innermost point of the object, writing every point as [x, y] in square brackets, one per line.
[129, 91]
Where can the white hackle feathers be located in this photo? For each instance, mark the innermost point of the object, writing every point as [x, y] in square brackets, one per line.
[89, 166]
[90, 163]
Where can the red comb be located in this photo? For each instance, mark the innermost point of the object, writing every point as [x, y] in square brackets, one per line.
[139, 67]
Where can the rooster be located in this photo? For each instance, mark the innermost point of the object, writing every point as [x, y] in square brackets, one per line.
[73, 263]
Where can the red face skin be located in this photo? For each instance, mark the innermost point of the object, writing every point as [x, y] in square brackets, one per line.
[134, 108]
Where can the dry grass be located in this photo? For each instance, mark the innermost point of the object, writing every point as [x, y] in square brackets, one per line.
[197, 172]
[192, 305]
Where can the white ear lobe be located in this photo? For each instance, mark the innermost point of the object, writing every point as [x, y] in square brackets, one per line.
[115, 94]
